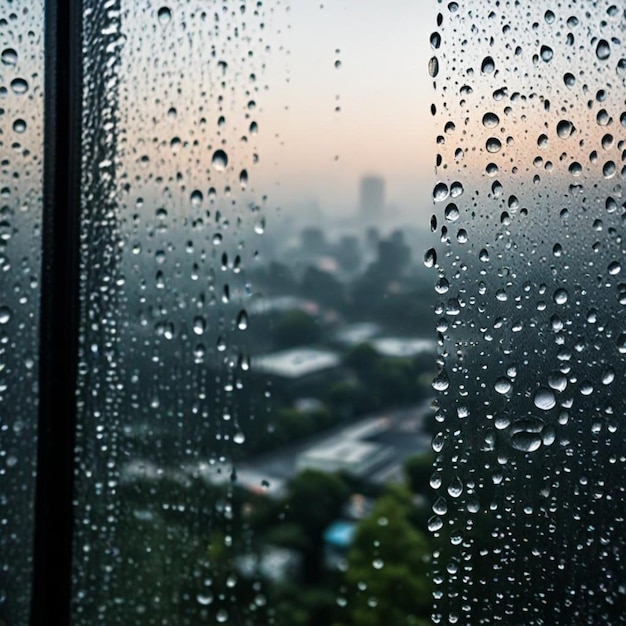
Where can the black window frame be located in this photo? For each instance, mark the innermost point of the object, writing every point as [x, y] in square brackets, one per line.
[59, 314]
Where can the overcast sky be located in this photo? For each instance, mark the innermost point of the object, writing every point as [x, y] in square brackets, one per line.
[382, 88]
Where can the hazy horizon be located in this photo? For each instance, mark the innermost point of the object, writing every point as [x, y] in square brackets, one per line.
[272, 108]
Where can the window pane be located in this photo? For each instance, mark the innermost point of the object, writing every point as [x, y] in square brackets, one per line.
[530, 211]
[21, 149]
[257, 343]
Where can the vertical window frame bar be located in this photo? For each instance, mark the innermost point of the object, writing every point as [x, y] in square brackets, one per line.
[59, 315]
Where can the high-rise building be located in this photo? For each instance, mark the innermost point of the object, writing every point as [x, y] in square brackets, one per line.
[371, 198]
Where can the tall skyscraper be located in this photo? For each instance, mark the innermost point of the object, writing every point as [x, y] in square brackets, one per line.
[371, 198]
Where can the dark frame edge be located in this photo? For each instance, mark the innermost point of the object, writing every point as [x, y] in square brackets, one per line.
[59, 315]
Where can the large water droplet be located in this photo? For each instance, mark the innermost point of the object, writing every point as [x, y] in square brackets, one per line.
[440, 507]
[503, 385]
[19, 126]
[5, 314]
[9, 57]
[440, 192]
[19, 86]
[564, 129]
[441, 381]
[433, 67]
[487, 66]
[544, 399]
[490, 120]
[493, 145]
[546, 53]
[603, 50]
[219, 160]
[526, 442]
[199, 325]
[430, 257]
[242, 320]
[164, 14]
[455, 488]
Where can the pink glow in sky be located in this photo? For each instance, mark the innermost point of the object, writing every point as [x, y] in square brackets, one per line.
[311, 151]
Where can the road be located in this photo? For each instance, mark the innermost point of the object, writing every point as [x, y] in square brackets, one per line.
[400, 429]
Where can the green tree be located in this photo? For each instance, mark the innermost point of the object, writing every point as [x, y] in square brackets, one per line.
[363, 359]
[296, 328]
[387, 567]
[418, 469]
[314, 500]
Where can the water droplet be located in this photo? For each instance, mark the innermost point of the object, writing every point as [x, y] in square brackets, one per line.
[440, 507]
[456, 189]
[452, 212]
[557, 381]
[204, 599]
[569, 79]
[19, 86]
[564, 129]
[239, 437]
[430, 257]
[242, 320]
[455, 488]
[199, 325]
[196, 198]
[503, 385]
[441, 381]
[440, 192]
[603, 50]
[544, 399]
[219, 160]
[5, 314]
[560, 296]
[526, 442]
[435, 523]
[609, 169]
[490, 120]
[433, 67]
[493, 145]
[546, 53]
[608, 376]
[9, 57]
[259, 226]
[603, 117]
[614, 268]
[575, 169]
[19, 126]
[487, 66]
[164, 14]
[607, 141]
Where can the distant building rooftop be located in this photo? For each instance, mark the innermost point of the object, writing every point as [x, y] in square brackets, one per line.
[296, 363]
[354, 334]
[283, 304]
[404, 346]
[355, 457]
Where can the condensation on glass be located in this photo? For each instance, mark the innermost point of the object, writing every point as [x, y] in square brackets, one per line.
[530, 215]
[170, 224]
[21, 189]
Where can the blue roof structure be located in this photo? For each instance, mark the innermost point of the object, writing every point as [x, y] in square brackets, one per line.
[340, 534]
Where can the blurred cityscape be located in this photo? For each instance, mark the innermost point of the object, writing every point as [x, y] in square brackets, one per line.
[319, 516]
